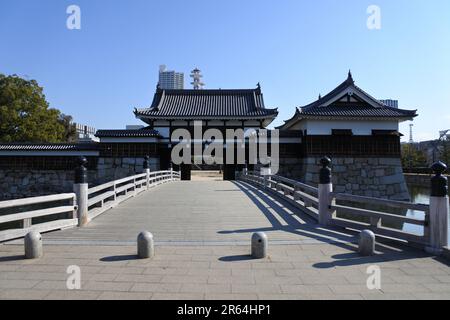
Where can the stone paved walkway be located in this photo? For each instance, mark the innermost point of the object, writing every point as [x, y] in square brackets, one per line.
[205, 212]
[313, 271]
[203, 253]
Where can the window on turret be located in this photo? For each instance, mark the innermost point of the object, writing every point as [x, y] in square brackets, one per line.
[341, 132]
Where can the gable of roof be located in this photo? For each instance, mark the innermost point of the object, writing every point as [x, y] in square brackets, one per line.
[348, 101]
[207, 104]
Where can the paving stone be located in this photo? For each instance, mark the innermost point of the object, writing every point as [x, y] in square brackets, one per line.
[22, 294]
[306, 289]
[107, 286]
[205, 288]
[113, 295]
[178, 296]
[156, 287]
[256, 289]
[72, 295]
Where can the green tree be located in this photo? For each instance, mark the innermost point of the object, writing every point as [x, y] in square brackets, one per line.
[412, 157]
[25, 115]
[70, 130]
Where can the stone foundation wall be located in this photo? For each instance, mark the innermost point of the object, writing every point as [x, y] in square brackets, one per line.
[372, 177]
[16, 184]
[291, 168]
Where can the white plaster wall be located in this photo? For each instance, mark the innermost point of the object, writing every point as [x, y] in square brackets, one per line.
[360, 128]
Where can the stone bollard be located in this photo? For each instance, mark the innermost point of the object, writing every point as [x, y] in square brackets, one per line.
[33, 245]
[145, 245]
[80, 188]
[324, 193]
[259, 245]
[439, 210]
[366, 243]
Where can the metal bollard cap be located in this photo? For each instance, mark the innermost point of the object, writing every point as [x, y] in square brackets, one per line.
[145, 235]
[259, 236]
[33, 236]
[367, 234]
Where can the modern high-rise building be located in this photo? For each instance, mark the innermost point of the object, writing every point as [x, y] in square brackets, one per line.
[390, 103]
[170, 79]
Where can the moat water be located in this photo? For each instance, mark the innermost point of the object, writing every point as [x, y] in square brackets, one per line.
[418, 194]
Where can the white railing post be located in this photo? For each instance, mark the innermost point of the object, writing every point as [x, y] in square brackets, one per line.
[439, 210]
[325, 193]
[80, 188]
[265, 172]
[147, 170]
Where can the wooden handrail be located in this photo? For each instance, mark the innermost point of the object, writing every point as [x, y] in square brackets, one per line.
[27, 216]
[288, 189]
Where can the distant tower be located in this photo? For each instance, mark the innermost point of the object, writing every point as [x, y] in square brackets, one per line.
[411, 140]
[197, 79]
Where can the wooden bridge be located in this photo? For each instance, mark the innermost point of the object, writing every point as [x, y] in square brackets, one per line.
[202, 231]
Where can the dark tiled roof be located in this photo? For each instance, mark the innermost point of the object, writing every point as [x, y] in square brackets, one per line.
[127, 133]
[49, 147]
[356, 111]
[204, 104]
[375, 109]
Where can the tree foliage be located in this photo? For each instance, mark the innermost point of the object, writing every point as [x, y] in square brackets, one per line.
[412, 157]
[25, 115]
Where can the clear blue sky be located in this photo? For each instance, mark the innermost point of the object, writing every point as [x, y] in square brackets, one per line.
[295, 49]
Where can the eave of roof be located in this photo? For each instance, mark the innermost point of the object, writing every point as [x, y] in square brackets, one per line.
[49, 146]
[228, 104]
[128, 133]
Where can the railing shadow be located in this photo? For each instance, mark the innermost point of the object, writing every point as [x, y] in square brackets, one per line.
[311, 229]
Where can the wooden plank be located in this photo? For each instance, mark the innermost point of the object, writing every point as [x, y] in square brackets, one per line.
[311, 211]
[42, 227]
[36, 200]
[377, 214]
[378, 201]
[100, 197]
[383, 231]
[35, 214]
[296, 183]
[125, 187]
[101, 187]
[309, 197]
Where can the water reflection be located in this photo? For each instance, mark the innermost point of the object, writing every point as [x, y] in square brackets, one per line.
[419, 194]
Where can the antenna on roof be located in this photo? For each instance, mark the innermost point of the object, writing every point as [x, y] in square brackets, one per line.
[197, 79]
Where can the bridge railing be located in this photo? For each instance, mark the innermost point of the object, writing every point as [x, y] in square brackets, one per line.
[381, 223]
[106, 196]
[40, 214]
[357, 212]
[60, 211]
[297, 193]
